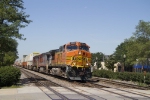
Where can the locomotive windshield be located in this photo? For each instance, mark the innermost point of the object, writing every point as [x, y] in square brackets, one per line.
[84, 48]
[71, 47]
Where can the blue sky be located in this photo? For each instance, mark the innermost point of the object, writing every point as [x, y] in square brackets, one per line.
[102, 24]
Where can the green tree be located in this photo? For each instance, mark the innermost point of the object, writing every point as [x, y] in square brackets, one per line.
[8, 54]
[143, 31]
[120, 51]
[97, 57]
[140, 43]
[9, 58]
[136, 47]
[12, 19]
[109, 63]
[8, 44]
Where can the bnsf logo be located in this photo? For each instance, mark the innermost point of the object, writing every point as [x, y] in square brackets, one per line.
[79, 58]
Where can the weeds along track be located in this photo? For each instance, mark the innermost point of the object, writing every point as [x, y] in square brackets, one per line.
[40, 81]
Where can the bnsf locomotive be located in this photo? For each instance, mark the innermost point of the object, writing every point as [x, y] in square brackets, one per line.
[72, 61]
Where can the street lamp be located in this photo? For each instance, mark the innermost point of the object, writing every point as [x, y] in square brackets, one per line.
[124, 56]
[137, 65]
[96, 62]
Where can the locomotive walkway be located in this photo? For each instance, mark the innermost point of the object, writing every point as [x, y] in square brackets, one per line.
[30, 92]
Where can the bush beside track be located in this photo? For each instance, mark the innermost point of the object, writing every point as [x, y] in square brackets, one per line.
[124, 76]
[9, 76]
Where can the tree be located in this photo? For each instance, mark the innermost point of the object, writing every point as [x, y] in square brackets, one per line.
[143, 30]
[8, 44]
[9, 58]
[136, 47]
[140, 43]
[97, 57]
[12, 18]
[109, 63]
[9, 52]
[120, 51]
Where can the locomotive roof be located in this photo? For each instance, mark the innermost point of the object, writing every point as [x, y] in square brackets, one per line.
[77, 43]
[45, 53]
[53, 50]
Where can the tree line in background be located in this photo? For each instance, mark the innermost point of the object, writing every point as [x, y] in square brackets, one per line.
[12, 19]
[136, 48]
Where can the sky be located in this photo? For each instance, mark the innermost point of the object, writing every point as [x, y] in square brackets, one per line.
[102, 24]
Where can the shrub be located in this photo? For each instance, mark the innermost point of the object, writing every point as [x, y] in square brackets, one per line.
[147, 78]
[126, 76]
[9, 76]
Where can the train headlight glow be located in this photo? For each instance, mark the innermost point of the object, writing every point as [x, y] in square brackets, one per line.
[74, 64]
[79, 52]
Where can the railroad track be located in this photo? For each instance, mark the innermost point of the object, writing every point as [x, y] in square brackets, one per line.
[89, 84]
[47, 83]
[97, 86]
[123, 85]
[104, 88]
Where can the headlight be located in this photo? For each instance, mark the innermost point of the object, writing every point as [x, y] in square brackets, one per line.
[79, 52]
[74, 63]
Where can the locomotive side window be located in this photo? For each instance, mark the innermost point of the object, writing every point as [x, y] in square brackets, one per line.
[71, 47]
[61, 48]
[64, 48]
[48, 57]
[84, 48]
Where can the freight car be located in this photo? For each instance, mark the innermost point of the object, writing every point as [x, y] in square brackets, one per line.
[71, 60]
[29, 59]
[23, 62]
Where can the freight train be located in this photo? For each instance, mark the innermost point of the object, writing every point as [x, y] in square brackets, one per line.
[71, 61]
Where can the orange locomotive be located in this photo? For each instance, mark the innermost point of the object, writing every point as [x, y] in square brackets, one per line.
[72, 61]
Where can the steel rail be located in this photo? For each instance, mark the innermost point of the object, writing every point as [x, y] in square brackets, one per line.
[124, 84]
